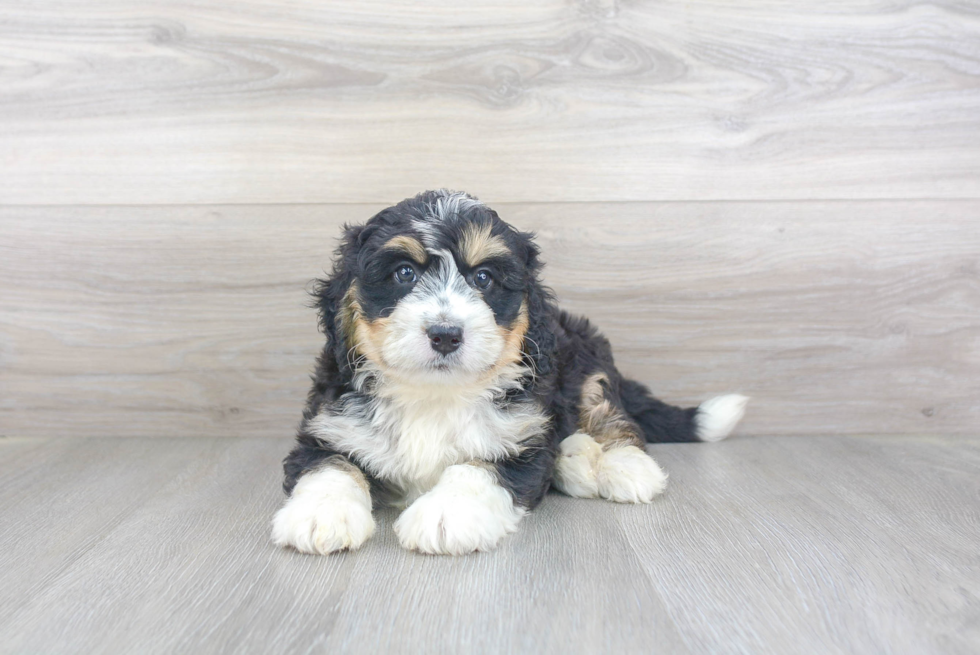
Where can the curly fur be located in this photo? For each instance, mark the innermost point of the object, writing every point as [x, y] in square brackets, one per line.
[387, 409]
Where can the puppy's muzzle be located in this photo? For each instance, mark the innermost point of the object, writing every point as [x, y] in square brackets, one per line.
[445, 339]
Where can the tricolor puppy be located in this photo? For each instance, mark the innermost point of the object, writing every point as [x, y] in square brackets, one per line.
[452, 386]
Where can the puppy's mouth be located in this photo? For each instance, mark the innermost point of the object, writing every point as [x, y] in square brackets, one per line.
[444, 365]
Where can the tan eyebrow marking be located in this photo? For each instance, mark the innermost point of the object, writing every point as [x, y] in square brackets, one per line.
[411, 246]
[477, 244]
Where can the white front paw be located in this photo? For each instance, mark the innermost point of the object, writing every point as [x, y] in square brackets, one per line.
[328, 511]
[466, 511]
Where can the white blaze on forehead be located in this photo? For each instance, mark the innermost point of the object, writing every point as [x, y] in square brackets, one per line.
[444, 279]
[428, 232]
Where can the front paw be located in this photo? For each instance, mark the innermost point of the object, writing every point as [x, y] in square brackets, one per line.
[466, 511]
[328, 511]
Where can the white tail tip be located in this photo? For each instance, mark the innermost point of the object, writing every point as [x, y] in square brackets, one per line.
[718, 416]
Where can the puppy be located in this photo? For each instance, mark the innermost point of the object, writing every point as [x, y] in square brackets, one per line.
[452, 386]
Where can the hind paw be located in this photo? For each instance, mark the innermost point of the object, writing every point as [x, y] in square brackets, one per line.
[624, 474]
[628, 475]
[577, 466]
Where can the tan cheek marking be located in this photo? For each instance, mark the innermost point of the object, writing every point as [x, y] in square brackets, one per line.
[349, 312]
[364, 336]
[411, 246]
[477, 245]
[602, 420]
[513, 338]
[371, 336]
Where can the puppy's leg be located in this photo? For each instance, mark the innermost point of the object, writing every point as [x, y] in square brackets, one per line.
[473, 506]
[607, 457]
[622, 472]
[467, 510]
[328, 510]
[578, 465]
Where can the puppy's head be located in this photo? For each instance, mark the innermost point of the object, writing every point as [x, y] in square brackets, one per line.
[436, 289]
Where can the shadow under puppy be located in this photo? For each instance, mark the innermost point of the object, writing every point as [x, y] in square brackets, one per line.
[452, 385]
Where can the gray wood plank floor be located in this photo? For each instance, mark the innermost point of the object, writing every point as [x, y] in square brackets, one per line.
[761, 545]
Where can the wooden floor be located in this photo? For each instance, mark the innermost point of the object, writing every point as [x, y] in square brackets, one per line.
[761, 545]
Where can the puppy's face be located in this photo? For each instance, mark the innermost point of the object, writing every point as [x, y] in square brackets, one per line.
[438, 291]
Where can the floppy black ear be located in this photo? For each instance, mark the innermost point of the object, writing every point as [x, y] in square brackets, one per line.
[332, 368]
[329, 295]
[540, 343]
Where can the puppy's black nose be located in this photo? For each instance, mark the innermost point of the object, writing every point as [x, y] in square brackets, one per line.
[445, 338]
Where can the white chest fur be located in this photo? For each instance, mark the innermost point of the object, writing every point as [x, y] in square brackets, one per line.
[408, 435]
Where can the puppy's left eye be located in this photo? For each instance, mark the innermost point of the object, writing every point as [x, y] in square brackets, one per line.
[482, 279]
[405, 274]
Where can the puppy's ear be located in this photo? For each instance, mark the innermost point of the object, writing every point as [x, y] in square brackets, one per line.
[540, 344]
[329, 293]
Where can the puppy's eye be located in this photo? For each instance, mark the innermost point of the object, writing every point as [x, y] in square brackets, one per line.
[482, 279]
[405, 274]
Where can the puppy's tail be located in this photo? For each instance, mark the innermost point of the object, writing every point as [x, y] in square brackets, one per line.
[712, 420]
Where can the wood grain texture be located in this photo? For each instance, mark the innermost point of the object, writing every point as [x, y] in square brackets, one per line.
[836, 317]
[113, 102]
[761, 545]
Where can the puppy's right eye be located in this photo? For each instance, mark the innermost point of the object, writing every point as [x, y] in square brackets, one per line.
[405, 274]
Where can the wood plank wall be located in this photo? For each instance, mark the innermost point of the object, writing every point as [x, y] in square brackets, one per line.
[781, 199]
